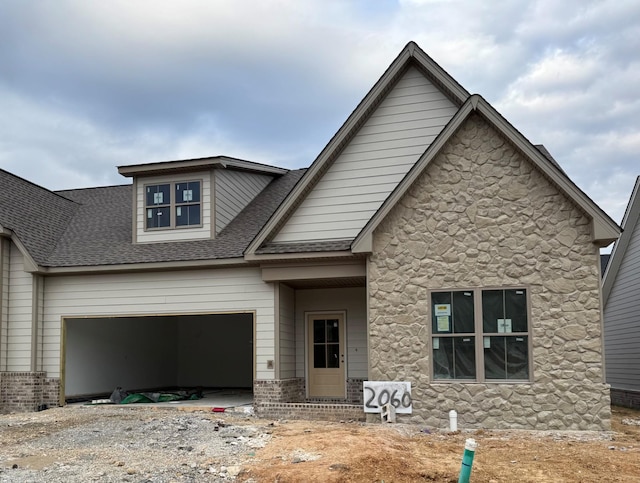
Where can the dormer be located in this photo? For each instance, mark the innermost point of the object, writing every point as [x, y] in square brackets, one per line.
[192, 199]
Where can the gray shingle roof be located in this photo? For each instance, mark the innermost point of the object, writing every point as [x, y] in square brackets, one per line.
[95, 226]
[36, 215]
[305, 247]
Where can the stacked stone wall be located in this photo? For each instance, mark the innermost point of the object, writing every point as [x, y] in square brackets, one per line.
[482, 216]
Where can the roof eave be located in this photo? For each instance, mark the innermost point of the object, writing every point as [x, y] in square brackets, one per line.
[144, 267]
[410, 54]
[188, 165]
[604, 229]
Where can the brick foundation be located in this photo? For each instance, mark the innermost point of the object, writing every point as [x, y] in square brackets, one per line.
[312, 411]
[286, 399]
[625, 398]
[28, 391]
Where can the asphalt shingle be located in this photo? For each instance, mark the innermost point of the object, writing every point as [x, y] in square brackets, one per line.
[36, 215]
[101, 231]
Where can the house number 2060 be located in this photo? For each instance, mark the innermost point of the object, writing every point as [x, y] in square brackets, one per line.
[379, 393]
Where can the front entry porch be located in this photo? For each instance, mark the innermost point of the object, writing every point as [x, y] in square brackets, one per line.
[320, 344]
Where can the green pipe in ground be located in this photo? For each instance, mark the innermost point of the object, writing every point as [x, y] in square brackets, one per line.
[467, 460]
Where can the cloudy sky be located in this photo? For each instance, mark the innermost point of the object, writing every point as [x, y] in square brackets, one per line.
[87, 86]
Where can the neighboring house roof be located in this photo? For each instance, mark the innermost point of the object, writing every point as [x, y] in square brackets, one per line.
[604, 261]
[629, 224]
[35, 215]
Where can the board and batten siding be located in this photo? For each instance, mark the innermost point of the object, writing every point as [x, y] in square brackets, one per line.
[176, 234]
[622, 321]
[233, 191]
[224, 290]
[373, 163]
[353, 301]
[19, 313]
[287, 333]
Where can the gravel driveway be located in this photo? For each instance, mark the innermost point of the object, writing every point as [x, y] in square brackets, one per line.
[136, 444]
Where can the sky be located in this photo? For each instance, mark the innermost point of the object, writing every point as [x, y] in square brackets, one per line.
[89, 86]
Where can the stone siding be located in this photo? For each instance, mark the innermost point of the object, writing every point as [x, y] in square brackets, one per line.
[28, 391]
[481, 215]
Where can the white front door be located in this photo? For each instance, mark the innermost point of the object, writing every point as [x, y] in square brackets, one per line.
[325, 349]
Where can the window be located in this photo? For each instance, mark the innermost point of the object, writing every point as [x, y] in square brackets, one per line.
[480, 335]
[182, 199]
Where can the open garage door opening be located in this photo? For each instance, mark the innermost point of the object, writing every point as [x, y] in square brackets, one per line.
[157, 353]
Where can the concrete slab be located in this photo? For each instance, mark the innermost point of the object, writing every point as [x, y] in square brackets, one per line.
[229, 399]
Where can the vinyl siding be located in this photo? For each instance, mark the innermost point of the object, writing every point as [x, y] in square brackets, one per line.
[179, 292]
[622, 321]
[5, 253]
[287, 333]
[20, 306]
[373, 163]
[233, 191]
[191, 233]
[353, 301]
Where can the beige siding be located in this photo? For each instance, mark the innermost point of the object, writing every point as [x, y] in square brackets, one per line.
[287, 333]
[622, 321]
[179, 292]
[174, 234]
[351, 300]
[233, 191]
[20, 306]
[374, 162]
[5, 253]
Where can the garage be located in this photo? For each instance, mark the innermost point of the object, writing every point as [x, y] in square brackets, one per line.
[157, 352]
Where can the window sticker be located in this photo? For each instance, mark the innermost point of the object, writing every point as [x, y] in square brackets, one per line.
[443, 323]
[487, 342]
[504, 326]
[149, 214]
[187, 195]
[179, 211]
[157, 198]
[443, 309]
[436, 343]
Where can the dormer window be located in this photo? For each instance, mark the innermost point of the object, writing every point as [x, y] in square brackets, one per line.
[173, 205]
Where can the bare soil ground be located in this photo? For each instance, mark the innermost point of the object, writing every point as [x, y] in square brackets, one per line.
[109, 444]
[304, 451]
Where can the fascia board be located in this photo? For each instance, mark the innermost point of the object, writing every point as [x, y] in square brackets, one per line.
[604, 229]
[194, 164]
[629, 223]
[440, 75]
[30, 264]
[267, 257]
[146, 267]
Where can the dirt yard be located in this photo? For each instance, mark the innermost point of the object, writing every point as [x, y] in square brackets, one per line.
[138, 444]
[302, 451]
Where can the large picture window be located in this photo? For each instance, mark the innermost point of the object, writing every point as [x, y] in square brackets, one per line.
[480, 334]
[173, 205]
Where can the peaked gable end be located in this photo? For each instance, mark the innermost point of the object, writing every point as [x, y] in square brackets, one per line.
[372, 164]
